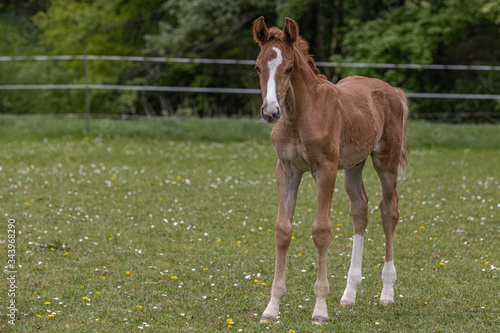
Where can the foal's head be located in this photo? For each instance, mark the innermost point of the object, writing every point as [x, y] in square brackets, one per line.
[274, 64]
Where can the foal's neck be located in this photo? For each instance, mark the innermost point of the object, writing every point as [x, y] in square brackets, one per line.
[302, 87]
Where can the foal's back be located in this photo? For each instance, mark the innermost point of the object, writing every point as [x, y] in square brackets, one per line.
[369, 110]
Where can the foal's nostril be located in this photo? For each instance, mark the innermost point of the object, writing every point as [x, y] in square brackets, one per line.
[270, 115]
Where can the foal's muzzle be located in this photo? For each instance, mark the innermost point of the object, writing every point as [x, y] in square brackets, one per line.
[270, 113]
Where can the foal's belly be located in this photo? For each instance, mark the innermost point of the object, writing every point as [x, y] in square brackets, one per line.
[347, 161]
[353, 153]
[294, 157]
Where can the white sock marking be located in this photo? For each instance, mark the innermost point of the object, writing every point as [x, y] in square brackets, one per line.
[354, 276]
[388, 279]
[357, 253]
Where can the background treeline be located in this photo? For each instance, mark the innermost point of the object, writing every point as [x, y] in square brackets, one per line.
[378, 31]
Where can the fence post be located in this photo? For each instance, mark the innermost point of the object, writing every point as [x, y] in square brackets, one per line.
[87, 96]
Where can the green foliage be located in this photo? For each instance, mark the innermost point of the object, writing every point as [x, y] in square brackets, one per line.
[389, 31]
[446, 32]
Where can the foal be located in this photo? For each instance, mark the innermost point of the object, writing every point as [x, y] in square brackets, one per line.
[323, 127]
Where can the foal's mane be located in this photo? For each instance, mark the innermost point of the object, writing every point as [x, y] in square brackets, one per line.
[301, 45]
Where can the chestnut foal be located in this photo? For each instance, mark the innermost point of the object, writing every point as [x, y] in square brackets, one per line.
[323, 127]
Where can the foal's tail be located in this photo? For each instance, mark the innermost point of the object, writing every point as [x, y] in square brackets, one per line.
[403, 163]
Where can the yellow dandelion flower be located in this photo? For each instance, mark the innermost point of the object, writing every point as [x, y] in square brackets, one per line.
[486, 263]
[229, 321]
[262, 294]
[441, 264]
[291, 331]
[269, 230]
[112, 178]
[39, 316]
[255, 280]
[139, 306]
[115, 188]
[86, 138]
[263, 283]
[46, 303]
[467, 191]
[299, 254]
[174, 277]
[127, 272]
[110, 238]
[293, 237]
[422, 227]
[85, 298]
[65, 254]
[339, 225]
[52, 249]
[26, 204]
[51, 315]
[425, 303]
[98, 293]
[205, 269]
[81, 287]
[218, 239]
[376, 266]
[239, 242]
[179, 177]
[103, 277]
[341, 235]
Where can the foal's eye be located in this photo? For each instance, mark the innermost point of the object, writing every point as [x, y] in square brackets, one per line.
[257, 69]
[289, 70]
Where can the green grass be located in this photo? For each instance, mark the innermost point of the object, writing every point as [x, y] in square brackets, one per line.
[196, 200]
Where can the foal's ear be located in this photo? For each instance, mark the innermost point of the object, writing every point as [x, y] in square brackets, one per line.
[290, 31]
[260, 31]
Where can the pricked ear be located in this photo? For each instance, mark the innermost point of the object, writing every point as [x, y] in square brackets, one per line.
[260, 31]
[290, 31]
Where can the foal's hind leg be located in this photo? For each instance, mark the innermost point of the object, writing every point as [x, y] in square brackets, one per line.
[358, 209]
[387, 166]
[287, 191]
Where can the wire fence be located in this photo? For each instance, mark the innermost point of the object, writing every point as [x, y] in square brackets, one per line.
[216, 90]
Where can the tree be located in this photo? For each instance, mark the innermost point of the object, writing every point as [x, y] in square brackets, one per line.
[445, 32]
[391, 31]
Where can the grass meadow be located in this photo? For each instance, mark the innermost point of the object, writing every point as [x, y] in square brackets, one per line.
[167, 226]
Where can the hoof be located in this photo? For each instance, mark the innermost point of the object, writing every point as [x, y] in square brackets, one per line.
[346, 302]
[386, 302]
[320, 320]
[267, 319]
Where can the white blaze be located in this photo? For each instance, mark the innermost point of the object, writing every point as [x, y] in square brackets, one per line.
[271, 98]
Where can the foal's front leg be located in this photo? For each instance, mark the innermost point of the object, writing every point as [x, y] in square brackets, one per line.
[325, 177]
[288, 183]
